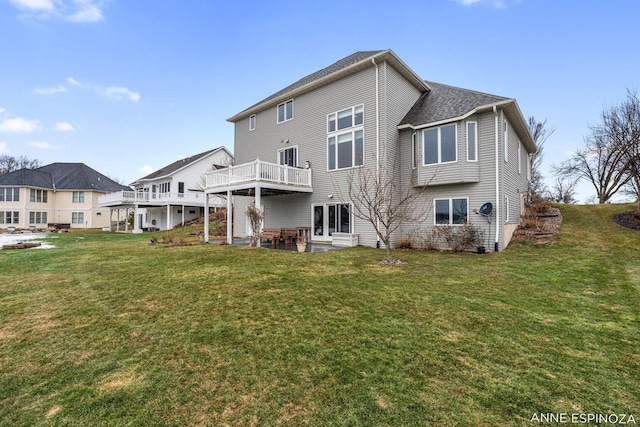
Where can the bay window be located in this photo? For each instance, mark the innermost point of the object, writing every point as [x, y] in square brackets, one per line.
[440, 145]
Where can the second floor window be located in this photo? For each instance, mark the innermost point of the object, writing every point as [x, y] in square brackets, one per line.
[252, 122]
[38, 196]
[346, 150]
[165, 187]
[9, 194]
[351, 117]
[78, 197]
[285, 111]
[440, 145]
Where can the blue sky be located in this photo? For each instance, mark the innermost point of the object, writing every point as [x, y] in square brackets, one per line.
[127, 87]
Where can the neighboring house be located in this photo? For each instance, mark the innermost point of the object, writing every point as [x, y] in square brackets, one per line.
[172, 195]
[459, 148]
[59, 193]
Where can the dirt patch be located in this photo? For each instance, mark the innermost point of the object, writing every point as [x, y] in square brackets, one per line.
[629, 219]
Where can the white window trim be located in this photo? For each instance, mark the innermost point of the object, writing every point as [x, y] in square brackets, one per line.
[506, 140]
[519, 157]
[353, 117]
[278, 121]
[335, 135]
[506, 209]
[475, 142]
[450, 199]
[252, 122]
[440, 162]
[285, 149]
[415, 150]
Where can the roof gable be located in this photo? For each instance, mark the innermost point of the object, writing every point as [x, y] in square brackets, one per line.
[179, 165]
[342, 68]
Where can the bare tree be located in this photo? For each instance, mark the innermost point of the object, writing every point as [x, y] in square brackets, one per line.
[378, 198]
[621, 125]
[601, 163]
[255, 216]
[563, 191]
[9, 163]
[540, 133]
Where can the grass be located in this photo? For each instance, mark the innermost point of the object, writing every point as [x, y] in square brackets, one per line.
[109, 330]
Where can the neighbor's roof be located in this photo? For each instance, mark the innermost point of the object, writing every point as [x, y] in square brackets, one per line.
[346, 66]
[62, 176]
[179, 164]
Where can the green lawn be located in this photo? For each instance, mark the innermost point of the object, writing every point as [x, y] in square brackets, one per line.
[109, 330]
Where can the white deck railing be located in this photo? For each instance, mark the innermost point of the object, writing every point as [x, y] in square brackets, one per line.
[258, 171]
[138, 197]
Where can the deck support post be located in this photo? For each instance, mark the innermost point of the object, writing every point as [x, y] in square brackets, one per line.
[206, 218]
[229, 219]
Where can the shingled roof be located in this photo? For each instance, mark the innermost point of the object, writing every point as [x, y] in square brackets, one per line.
[352, 63]
[63, 176]
[445, 102]
[178, 164]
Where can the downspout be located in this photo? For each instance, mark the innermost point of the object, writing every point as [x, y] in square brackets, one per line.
[497, 240]
[373, 60]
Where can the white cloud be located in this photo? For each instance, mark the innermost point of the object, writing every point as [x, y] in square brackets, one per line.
[19, 125]
[80, 11]
[45, 145]
[38, 5]
[86, 11]
[64, 126]
[122, 92]
[50, 90]
[498, 4]
[3, 147]
[146, 169]
[74, 82]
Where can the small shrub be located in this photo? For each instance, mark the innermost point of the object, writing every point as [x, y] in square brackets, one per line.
[405, 243]
[460, 238]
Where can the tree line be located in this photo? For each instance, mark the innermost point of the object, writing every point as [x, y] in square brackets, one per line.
[609, 160]
[10, 163]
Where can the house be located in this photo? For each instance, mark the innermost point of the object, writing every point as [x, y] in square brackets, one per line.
[59, 193]
[171, 195]
[460, 149]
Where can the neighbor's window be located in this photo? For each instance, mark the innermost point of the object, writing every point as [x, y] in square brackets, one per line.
[37, 217]
[440, 145]
[9, 217]
[472, 141]
[252, 122]
[78, 197]
[38, 196]
[285, 111]
[9, 194]
[77, 217]
[180, 189]
[451, 211]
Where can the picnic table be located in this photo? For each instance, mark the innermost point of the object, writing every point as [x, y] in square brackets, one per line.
[286, 234]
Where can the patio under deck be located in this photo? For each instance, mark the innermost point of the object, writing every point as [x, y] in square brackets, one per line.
[255, 179]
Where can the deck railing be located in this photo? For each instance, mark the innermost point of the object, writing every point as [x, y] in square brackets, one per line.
[258, 171]
[139, 197]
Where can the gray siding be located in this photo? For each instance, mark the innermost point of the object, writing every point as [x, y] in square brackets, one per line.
[308, 132]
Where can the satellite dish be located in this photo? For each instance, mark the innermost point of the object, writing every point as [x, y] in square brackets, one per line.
[486, 209]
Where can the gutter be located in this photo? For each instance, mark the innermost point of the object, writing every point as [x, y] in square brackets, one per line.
[373, 60]
[497, 152]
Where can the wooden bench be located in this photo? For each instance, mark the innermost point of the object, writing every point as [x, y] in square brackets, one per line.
[272, 234]
[289, 234]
